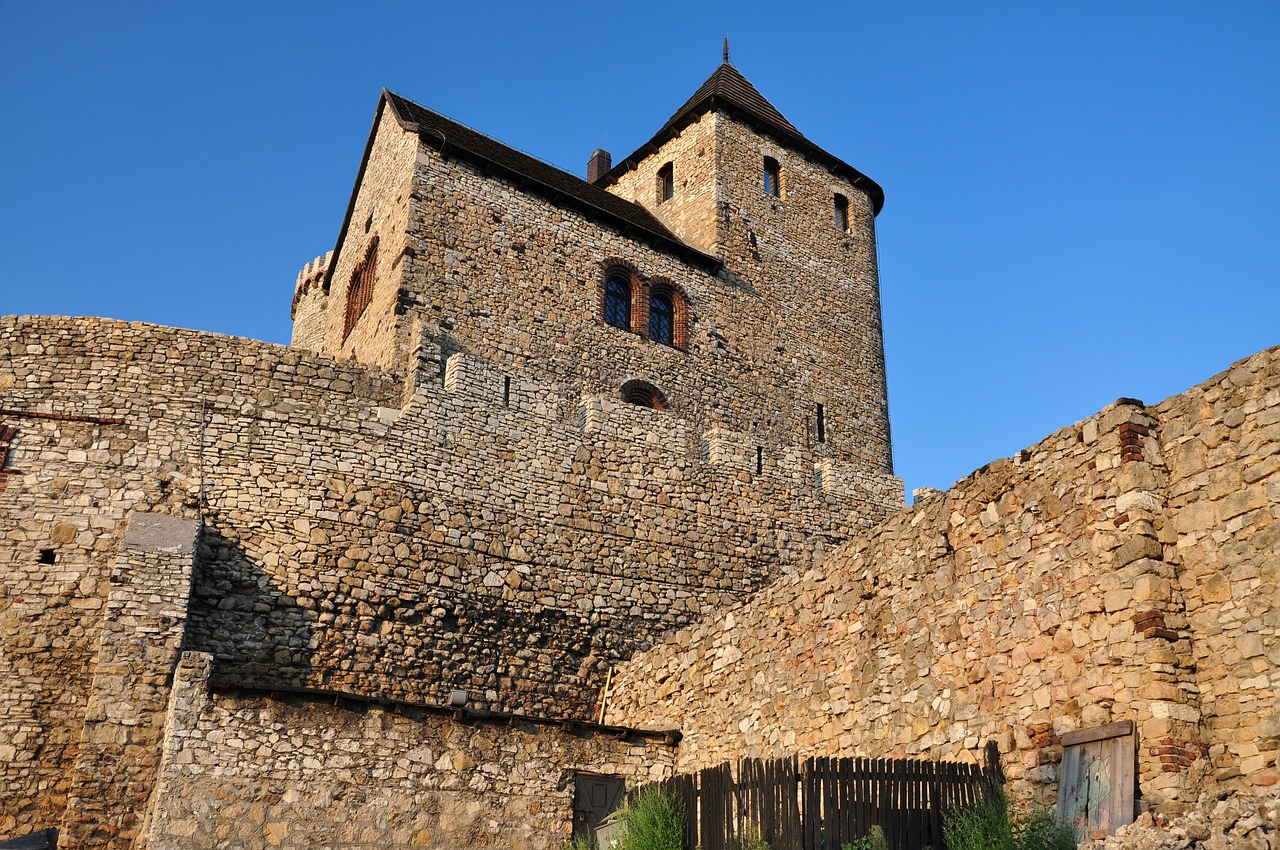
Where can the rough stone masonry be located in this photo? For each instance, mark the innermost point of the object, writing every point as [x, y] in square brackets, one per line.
[534, 429]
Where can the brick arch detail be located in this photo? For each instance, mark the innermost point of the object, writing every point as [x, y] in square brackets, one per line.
[641, 287]
[679, 309]
[608, 267]
[360, 288]
[643, 393]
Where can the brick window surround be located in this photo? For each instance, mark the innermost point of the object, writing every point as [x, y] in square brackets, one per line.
[616, 271]
[360, 288]
[643, 394]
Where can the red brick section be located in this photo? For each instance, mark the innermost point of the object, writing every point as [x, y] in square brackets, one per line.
[1131, 434]
[1042, 735]
[1176, 754]
[1150, 624]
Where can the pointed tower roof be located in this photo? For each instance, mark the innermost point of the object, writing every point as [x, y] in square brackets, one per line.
[726, 90]
[727, 87]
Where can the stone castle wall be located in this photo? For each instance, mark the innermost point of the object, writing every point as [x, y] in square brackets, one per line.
[1122, 569]
[367, 533]
[1222, 444]
[252, 771]
[692, 212]
[492, 267]
[821, 285]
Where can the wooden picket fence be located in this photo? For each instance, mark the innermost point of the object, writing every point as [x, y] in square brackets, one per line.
[824, 803]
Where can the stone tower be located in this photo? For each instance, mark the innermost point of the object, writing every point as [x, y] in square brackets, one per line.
[793, 225]
[739, 256]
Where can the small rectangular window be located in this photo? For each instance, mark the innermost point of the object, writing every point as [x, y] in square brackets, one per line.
[772, 177]
[666, 182]
[759, 460]
[822, 426]
[47, 556]
[506, 391]
[842, 213]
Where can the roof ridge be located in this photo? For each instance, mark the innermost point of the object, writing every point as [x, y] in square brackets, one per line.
[431, 125]
[488, 137]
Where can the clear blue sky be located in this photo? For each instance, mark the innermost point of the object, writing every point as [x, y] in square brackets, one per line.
[1082, 198]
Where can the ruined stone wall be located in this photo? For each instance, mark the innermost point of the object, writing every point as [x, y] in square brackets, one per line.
[249, 771]
[461, 527]
[1222, 442]
[103, 419]
[1086, 580]
[119, 745]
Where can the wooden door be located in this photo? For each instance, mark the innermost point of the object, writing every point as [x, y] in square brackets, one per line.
[1096, 781]
[594, 799]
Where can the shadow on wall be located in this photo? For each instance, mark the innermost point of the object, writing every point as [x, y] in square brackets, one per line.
[247, 623]
[364, 633]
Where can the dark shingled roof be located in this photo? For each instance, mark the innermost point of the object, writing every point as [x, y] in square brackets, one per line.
[562, 188]
[727, 90]
[729, 86]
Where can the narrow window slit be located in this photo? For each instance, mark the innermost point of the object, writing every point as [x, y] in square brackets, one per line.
[506, 391]
[759, 460]
[772, 177]
[822, 426]
[666, 183]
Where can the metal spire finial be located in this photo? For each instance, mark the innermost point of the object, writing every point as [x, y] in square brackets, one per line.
[726, 50]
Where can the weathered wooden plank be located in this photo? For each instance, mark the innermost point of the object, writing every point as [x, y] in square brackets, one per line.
[1097, 733]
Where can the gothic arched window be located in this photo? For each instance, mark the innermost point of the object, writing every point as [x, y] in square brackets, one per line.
[661, 316]
[617, 301]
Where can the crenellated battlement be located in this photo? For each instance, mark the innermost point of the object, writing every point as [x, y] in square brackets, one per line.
[450, 384]
[310, 303]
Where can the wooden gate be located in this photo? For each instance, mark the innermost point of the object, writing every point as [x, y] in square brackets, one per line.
[824, 803]
[1096, 780]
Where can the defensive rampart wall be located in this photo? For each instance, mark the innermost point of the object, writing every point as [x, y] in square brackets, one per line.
[393, 536]
[1124, 568]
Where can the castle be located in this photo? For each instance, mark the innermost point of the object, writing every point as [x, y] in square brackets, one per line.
[568, 481]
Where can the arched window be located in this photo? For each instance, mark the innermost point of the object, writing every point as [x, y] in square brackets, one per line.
[617, 301]
[661, 316]
[360, 288]
[643, 394]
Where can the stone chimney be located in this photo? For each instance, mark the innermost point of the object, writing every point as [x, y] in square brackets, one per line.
[599, 165]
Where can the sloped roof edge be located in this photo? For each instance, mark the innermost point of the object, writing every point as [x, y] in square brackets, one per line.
[559, 187]
[726, 90]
